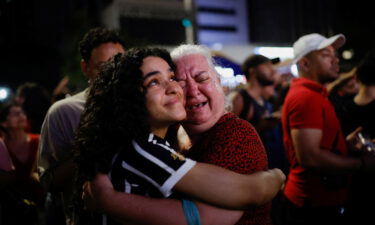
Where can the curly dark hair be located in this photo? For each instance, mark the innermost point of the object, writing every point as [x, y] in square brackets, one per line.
[95, 37]
[115, 113]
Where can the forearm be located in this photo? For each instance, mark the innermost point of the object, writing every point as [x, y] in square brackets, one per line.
[211, 215]
[228, 189]
[136, 209]
[327, 161]
[310, 155]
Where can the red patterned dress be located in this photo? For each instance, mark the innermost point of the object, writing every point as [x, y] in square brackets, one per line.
[234, 144]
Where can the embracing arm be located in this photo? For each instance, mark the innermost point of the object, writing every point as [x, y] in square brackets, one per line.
[227, 189]
[134, 209]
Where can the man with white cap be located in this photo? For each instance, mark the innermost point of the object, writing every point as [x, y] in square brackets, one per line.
[317, 184]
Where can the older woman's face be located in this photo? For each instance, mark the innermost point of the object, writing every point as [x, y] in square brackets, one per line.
[164, 97]
[203, 92]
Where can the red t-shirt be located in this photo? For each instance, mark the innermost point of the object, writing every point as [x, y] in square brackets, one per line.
[234, 144]
[307, 106]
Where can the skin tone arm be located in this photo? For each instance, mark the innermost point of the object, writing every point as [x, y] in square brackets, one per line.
[100, 196]
[309, 154]
[229, 189]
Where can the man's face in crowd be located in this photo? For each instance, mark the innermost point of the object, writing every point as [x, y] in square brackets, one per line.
[203, 93]
[265, 74]
[324, 64]
[99, 56]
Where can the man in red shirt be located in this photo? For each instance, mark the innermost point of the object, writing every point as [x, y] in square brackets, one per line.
[317, 184]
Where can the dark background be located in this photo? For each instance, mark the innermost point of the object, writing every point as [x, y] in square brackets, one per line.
[38, 38]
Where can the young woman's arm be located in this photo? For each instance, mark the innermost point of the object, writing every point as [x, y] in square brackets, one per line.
[100, 196]
[227, 189]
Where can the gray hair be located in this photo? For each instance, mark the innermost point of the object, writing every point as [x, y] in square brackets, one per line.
[189, 49]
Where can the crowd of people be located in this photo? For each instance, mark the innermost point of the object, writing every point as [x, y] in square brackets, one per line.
[154, 139]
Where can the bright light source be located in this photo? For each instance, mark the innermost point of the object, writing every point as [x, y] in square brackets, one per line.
[240, 79]
[4, 93]
[186, 22]
[348, 54]
[225, 72]
[217, 46]
[275, 52]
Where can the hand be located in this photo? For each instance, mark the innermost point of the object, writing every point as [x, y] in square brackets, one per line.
[97, 192]
[353, 142]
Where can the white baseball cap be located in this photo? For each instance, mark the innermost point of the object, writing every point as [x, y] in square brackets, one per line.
[313, 42]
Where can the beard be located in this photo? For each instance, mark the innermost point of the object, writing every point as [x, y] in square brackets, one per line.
[263, 80]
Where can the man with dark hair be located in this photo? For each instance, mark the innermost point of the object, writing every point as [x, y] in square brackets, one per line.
[249, 103]
[252, 103]
[55, 163]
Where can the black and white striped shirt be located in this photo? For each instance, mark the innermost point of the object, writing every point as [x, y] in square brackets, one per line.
[150, 167]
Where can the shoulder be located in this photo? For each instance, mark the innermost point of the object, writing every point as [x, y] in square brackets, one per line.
[234, 131]
[74, 102]
[234, 125]
[73, 105]
[302, 98]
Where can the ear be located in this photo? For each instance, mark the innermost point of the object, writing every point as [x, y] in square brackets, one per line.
[84, 67]
[251, 71]
[304, 64]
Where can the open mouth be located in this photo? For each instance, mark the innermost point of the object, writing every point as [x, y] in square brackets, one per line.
[196, 106]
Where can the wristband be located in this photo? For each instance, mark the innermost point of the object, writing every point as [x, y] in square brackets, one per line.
[191, 212]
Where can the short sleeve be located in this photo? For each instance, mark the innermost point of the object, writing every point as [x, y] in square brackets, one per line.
[158, 164]
[306, 111]
[57, 135]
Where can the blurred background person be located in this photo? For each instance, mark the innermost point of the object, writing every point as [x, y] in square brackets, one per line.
[35, 101]
[360, 112]
[55, 162]
[25, 194]
[341, 94]
[252, 103]
[317, 187]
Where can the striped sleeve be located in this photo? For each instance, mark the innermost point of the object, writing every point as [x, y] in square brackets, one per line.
[157, 163]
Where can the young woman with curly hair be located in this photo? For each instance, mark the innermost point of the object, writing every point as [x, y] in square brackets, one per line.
[122, 133]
